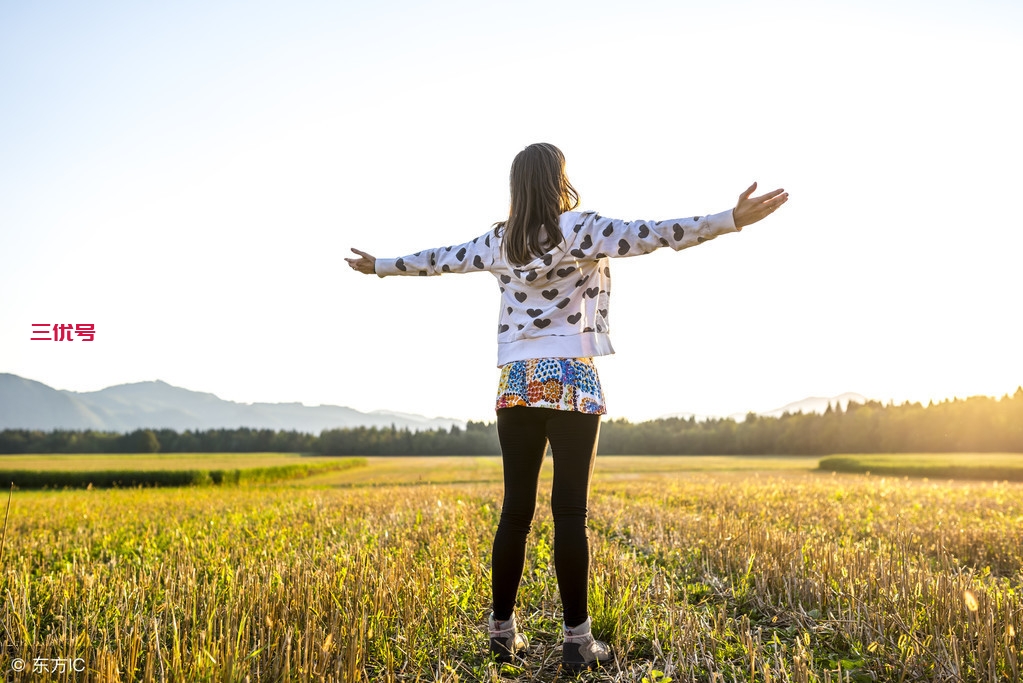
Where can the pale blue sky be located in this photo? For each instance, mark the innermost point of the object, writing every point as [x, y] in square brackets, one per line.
[189, 177]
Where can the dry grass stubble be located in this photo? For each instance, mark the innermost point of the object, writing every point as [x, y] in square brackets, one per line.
[701, 577]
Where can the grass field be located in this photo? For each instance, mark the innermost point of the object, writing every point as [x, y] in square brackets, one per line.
[700, 572]
[437, 470]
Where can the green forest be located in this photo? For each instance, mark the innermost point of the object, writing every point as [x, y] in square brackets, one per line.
[976, 424]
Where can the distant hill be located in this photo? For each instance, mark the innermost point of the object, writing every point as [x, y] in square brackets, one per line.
[816, 404]
[27, 404]
[813, 404]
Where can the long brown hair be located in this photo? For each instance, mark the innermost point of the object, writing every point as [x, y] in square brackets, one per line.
[540, 193]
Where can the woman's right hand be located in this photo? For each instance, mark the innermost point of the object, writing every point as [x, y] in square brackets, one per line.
[364, 264]
[752, 209]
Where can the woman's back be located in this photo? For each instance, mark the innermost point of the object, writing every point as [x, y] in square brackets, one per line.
[557, 305]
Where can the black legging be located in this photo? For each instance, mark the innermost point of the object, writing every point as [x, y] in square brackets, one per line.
[524, 433]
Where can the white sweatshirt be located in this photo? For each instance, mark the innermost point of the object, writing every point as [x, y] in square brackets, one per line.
[556, 306]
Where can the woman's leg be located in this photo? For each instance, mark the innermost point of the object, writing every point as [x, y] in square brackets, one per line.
[523, 436]
[573, 439]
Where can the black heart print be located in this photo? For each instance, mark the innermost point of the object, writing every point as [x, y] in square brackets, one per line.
[587, 243]
[509, 310]
[400, 265]
[603, 312]
[506, 279]
[478, 262]
[606, 232]
[533, 312]
[643, 231]
[532, 276]
[578, 253]
[664, 242]
[562, 272]
[547, 259]
[574, 318]
[587, 329]
[433, 259]
[623, 247]
[461, 254]
[521, 326]
[563, 303]
[542, 323]
[549, 294]
[520, 296]
[446, 268]
[502, 329]
[677, 232]
[582, 281]
[600, 256]
[591, 292]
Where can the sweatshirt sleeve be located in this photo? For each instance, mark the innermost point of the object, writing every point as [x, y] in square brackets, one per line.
[471, 257]
[617, 238]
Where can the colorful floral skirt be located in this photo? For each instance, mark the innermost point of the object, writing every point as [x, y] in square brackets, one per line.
[558, 383]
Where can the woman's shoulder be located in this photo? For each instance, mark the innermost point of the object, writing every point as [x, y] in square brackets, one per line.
[574, 221]
[575, 215]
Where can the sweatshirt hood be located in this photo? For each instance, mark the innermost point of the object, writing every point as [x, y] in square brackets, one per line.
[552, 258]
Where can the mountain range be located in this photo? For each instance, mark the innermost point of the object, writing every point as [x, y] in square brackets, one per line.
[27, 404]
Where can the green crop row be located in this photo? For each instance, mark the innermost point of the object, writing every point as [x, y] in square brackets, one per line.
[42, 479]
[979, 468]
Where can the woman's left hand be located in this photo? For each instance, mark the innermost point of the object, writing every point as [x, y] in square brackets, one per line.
[364, 264]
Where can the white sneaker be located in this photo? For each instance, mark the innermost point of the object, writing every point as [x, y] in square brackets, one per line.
[581, 650]
[506, 643]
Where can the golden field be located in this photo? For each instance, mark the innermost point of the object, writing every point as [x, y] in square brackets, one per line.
[703, 569]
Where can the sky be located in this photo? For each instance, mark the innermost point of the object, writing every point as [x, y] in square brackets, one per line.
[188, 178]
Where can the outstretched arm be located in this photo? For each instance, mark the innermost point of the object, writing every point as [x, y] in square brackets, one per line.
[616, 238]
[470, 257]
[364, 264]
[752, 209]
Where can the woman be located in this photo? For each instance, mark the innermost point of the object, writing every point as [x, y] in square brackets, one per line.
[552, 267]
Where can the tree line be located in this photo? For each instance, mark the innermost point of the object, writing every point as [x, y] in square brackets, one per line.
[979, 423]
[242, 440]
